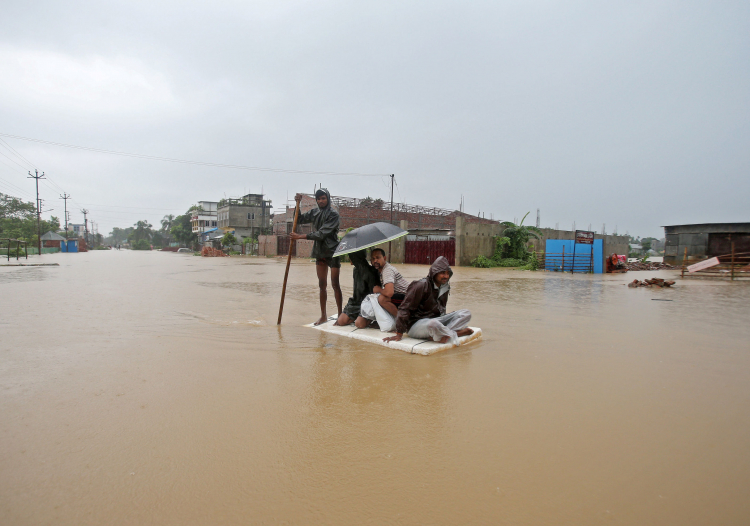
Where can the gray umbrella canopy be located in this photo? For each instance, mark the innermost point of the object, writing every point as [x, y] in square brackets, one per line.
[368, 236]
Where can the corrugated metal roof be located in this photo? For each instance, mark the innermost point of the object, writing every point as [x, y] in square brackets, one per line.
[51, 236]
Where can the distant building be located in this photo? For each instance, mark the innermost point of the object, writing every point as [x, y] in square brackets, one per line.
[52, 240]
[206, 218]
[78, 230]
[247, 216]
[705, 240]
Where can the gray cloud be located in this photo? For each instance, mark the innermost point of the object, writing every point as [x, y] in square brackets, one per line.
[633, 115]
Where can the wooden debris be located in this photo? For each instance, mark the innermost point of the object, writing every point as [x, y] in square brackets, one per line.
[637, 265]
[653, 282]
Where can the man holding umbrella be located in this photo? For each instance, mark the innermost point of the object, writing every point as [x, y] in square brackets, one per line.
[325, 222]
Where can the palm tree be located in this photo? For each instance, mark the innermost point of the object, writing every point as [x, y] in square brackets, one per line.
[166, 222]
[515, 238]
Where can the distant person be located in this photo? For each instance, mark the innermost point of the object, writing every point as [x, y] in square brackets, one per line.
[325, 222]
[366, 279]
[422, 313]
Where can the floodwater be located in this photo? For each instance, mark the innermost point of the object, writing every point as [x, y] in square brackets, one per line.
[155, 388]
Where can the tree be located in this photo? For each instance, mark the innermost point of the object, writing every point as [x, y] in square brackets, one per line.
[119, 235]
[513, 243]
[181, 228]
[18, 219]
[141, 232]
[166, 222]
[228, 240]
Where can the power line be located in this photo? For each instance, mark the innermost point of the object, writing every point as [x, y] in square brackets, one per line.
[131, 207]
[17, 154]
[16, 189]
[183, 161]
[14, 162]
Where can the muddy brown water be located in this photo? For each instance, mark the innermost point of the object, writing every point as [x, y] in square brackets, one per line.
[155, 388]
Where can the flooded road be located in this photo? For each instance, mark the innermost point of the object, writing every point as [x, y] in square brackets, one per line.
[155, 388]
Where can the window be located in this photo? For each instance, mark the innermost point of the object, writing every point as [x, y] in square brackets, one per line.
[251, 215]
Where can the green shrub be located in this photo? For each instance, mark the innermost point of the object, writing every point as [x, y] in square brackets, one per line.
[483, 262]
[141, 244]
[510, 262]
[228, 239]
[533, 263]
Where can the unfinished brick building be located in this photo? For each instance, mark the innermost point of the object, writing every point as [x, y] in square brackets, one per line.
[356, 212]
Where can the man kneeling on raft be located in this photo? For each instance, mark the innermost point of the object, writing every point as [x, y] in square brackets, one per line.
[422, 313]
[365, 280]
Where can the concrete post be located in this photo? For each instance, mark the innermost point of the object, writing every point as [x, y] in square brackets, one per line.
[460, 240]
[399, 246]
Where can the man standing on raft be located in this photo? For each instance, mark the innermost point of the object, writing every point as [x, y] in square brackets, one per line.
[325, 222]
[422, 313]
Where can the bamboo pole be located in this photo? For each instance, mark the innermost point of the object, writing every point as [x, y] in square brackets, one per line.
[684, 263]
[289, 259]
[732, 261]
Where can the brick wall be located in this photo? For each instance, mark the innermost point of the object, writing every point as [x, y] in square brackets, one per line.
[357, 216]
[304, 248]
[267, 245]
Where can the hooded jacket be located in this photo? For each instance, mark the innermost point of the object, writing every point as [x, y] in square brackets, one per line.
[325, 222]
[365, 278]
[423, 298]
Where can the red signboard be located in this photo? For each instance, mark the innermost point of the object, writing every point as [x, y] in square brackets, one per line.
[584, 237]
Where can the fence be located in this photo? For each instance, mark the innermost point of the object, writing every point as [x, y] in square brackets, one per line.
[734, 266]
[18, 242]
[565, 255]
[562, 262]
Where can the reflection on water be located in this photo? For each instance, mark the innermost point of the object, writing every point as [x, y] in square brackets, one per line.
[152, 388]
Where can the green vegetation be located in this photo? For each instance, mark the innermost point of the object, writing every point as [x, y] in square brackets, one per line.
[511, 249]
[18, 220]
[141, 244]
[228, 240]
[181, 229]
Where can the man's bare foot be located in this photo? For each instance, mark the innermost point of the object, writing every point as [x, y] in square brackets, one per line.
[322, 319]
[465, 332]
[445, 339]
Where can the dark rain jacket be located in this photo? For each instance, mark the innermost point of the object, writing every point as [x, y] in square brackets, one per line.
[423, 299]
[365, 278]
[325, 222]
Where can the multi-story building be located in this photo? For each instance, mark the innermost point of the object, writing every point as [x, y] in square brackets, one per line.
[247, 216]
[76, 229]
[205, 218]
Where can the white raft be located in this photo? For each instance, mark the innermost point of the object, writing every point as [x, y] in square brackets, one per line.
[406, 344]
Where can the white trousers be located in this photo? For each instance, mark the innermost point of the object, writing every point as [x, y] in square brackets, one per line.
[445, 325]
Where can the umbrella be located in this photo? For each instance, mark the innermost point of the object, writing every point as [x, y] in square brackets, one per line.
[368, 236]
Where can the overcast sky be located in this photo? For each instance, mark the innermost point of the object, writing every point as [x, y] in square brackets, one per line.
[635, 114]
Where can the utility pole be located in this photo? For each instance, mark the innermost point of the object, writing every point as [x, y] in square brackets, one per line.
[85, 227]
[389, 243]
[65, 197]
[537, 218]
[38, 210]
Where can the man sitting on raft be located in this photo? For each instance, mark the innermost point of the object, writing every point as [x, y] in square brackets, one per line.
[392, 287]
[422, 313]
[365, 280]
